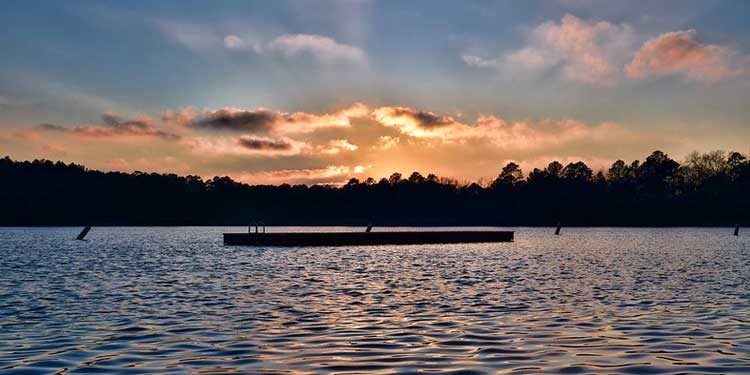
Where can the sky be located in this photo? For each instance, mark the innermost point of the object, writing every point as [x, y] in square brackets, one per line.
[271, 92]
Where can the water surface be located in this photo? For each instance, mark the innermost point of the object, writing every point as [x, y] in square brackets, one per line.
[175, 300]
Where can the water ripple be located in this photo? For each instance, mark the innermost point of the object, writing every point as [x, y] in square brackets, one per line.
[175, 300]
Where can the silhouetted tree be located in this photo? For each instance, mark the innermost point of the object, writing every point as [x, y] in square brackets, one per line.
[707, 189]
[510, 175]
[577, 171]
[395, 178]
[416, 178]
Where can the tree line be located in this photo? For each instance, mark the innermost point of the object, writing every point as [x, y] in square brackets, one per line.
[705, 189]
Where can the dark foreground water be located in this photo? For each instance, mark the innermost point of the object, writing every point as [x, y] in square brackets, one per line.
[175, 300]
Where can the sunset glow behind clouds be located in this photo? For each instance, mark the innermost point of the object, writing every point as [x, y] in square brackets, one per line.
[320, 92]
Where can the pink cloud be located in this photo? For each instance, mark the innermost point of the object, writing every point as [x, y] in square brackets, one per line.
[114, 127]
[584, 52]
[680, 53]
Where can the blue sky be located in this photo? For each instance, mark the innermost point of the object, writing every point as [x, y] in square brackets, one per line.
[534, 63]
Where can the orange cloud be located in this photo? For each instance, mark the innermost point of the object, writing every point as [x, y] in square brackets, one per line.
[334, 174]
[416, 123]
[680, 53]
[520, 135]
[336, 146]
[386, 142]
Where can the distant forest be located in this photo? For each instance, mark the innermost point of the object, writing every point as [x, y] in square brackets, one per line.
[706, 189]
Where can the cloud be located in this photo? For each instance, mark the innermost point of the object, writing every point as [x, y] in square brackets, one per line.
[179, 118]
[680, 53]
[207, 40]
[386, 142]
[54, 149]
[336, 146]
[519, 135]
[480, 62]
[114, 127]
[359, 169]
[264, 144]
[334, 174]
[237, 119]
[413, 122]
[236, 43]
[323, 49]
[525, 135]
[117, 164]
[581, 51]
[247, 145]
[264, 120]
[52, 127]
[233, 42]
[258, 146]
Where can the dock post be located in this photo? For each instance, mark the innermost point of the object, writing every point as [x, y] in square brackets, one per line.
[369, 228]
[83, 233]
[557, 231]
[736, 230]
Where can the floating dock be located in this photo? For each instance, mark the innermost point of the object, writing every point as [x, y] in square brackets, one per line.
[294, 239]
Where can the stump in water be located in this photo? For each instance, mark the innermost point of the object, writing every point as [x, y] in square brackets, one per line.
[83, 233]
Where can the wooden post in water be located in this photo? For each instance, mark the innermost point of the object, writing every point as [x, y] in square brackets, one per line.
[83, 233]
[736, 230]
[557, 231]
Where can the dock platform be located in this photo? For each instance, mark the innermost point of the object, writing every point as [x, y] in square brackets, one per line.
[295, 239]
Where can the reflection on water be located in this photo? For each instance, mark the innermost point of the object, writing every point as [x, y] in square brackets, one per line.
[175, 300]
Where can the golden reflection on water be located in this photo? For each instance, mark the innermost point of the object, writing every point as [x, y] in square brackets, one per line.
[174, 300]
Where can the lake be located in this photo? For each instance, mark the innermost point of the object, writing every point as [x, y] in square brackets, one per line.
[176, 300]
